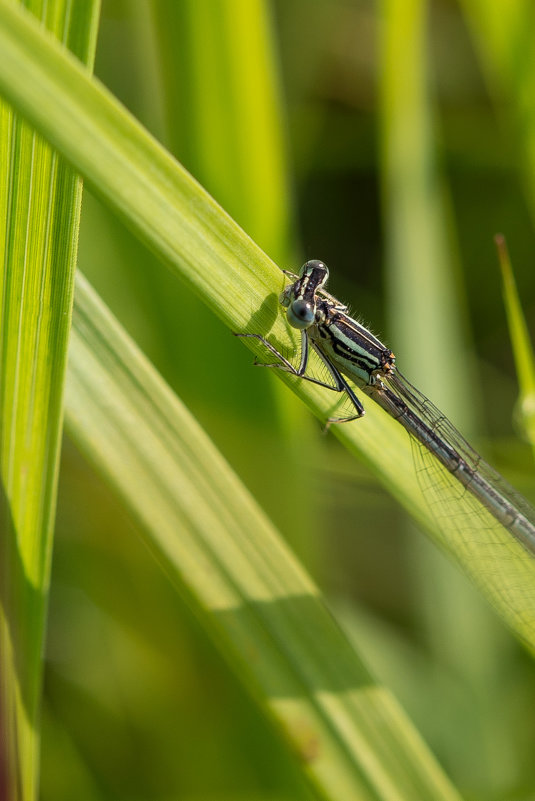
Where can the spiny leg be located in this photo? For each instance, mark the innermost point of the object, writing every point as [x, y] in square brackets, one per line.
[341, 386]
[288, 367]
[339, 383]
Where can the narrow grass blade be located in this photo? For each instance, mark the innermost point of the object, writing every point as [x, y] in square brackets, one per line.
[157, 198]
[426, 310]
[169, 211]
[422, 285]
[228, 563]
[202, 49]
[39, 214]
[502, 35]
[522, 348]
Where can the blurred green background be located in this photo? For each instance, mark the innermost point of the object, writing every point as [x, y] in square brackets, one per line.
[392, 140]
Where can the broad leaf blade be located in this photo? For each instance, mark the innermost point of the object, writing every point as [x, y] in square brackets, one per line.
[39, 212]
[169, 211]
[235, 572]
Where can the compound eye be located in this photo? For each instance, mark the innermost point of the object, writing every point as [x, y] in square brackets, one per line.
[301, 314]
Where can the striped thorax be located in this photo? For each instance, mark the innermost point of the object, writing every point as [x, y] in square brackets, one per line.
[356, 351]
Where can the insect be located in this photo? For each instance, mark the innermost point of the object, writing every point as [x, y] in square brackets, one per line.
[348, 350]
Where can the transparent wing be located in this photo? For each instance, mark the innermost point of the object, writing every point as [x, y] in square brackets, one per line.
[485, 549]
[440, 424]
[466, 529]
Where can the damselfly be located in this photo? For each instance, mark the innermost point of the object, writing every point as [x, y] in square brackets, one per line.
[347, 348]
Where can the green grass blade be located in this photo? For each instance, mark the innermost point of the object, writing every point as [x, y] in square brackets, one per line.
[422, 286]
[520, 340]
[169, 211]
[502, 35]
[39, 213]
[236, 574]
[426, 307]
[426, 300]
[98, 135]
[202, 50]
